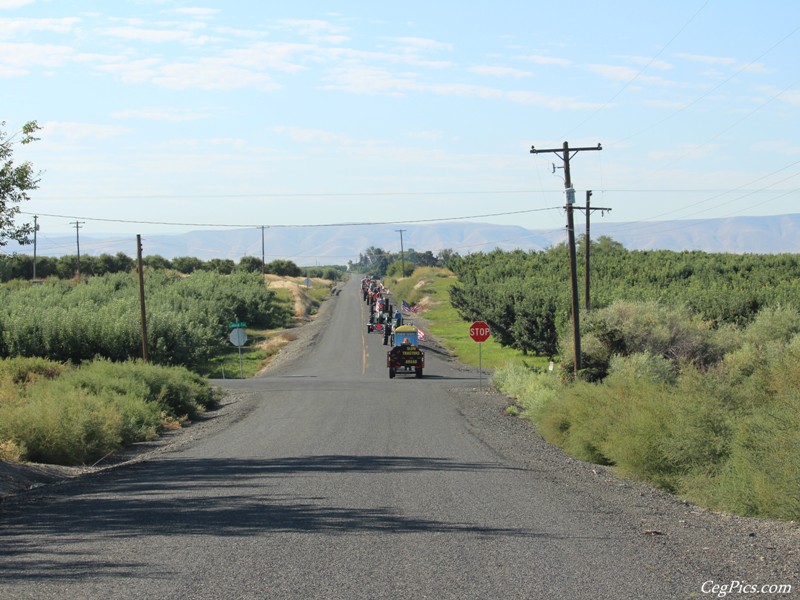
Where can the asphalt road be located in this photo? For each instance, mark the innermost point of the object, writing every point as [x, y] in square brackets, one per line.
[337, 482]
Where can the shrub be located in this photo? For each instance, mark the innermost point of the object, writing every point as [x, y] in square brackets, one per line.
[179, 392]
[532, 389]
[11, 451]
[60, 425]
[25, 370]
[772, 324]
[91, 411]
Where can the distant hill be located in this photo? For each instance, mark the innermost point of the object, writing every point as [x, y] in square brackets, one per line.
[338, 245]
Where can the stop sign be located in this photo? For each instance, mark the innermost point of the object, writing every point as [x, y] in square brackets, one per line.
[479, 331]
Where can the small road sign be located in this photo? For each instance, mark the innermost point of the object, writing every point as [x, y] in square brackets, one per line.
[480, 331]
[238, 325]
[238, 337]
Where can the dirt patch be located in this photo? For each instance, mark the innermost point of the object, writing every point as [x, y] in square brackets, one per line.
[303, 303]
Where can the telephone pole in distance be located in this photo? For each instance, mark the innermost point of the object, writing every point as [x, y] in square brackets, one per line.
[78, 240]
[589, 210]
[402, 253]
[566, 153]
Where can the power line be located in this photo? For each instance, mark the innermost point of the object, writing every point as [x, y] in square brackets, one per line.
[635, 77]
[284, 195]
[352, 224]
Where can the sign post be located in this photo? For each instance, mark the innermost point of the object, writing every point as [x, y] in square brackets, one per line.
[238, 338]
[480, 332]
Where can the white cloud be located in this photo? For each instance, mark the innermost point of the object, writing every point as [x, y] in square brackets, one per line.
[7, 4]
[416, 44]
[132, 71]
[161, 114]
[19, 57]
[211, 74]
[141, 34]
[316, 30]
[430, 136]
[684, 151]
[370, 80]
[550, 102]
[620, 73]
[777, 147]
[709, 60]
[309, 136]
[73, 132]
[547, 60]
[666, 104]
[499, 71]
[199, 12]
[277, 56]
[650, 63]
[14, 28]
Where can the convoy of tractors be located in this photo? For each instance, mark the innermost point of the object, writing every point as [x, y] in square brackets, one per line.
[405, 355]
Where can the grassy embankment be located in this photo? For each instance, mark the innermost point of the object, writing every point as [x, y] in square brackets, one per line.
[429, 288]
[299, 300]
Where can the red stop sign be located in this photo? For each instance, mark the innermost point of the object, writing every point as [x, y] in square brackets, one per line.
[479, 331]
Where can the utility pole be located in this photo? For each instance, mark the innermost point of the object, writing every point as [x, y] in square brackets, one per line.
[589, 211]
[402, 253]
[263, 256]
[564, 154]
[78, 240]
[35, 229]
[140, 269]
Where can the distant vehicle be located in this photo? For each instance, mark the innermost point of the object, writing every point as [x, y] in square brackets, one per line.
[377, 322]
[406, 356]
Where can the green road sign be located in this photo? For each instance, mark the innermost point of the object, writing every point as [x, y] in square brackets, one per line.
[239, 325]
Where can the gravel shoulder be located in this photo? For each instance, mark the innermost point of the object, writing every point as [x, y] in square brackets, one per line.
[756, 551]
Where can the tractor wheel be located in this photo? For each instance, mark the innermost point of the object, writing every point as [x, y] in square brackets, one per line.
[392, 372]
[418, 373]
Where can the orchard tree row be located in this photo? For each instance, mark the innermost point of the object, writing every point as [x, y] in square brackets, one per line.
[21, 266]
[525, 297]
[187, 317]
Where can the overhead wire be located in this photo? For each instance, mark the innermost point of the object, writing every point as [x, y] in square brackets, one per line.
[641, 71]
[297, 226]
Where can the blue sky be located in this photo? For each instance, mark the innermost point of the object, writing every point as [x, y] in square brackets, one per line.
[308, 113]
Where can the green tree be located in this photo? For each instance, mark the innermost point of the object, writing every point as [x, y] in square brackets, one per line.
[251, 264]
[187, 264]
[156, 261]
[284, 268]
[224, 266]
[15, 183]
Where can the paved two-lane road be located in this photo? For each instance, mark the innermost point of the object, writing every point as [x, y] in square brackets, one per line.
[337, 482]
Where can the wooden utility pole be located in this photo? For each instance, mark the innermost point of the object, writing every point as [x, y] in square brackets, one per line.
[402, 253]
[263, 256]
[35, 229]
[140, 269]
[564, 154]
[589, 210]
[78, 241]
